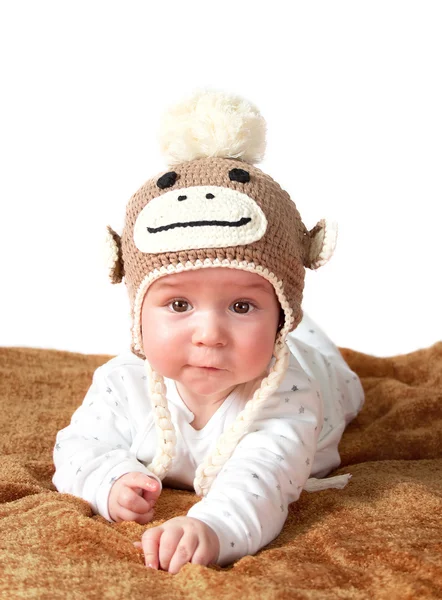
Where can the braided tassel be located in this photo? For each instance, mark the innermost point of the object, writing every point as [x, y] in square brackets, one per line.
[166, 447]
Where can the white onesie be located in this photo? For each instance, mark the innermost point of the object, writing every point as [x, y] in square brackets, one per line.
[295, 437]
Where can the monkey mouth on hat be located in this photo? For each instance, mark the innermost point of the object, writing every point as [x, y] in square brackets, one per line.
[239, 223]
[213, 217]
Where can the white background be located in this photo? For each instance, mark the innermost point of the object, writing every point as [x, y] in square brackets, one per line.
[352, 95]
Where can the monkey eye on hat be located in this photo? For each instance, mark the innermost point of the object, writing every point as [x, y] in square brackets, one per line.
[212, 207]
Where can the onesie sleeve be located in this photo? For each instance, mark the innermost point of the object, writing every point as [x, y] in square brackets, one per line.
[247, 504]
[93, 451]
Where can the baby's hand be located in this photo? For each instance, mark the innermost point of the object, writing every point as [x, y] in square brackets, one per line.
[132, 498]
[177, 542]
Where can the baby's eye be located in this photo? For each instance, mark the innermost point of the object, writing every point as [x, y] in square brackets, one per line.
[241, 307]
[179, 305]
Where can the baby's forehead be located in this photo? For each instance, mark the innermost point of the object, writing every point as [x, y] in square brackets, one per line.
[213, 276]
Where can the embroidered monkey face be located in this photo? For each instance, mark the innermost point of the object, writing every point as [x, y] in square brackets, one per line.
[199, 216]
[225, 206]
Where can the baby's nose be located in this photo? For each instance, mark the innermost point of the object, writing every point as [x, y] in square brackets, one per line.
[209, 331]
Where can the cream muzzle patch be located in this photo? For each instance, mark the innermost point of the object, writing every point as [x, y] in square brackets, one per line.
[205, 216]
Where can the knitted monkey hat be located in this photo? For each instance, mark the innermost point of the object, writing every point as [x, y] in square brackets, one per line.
[214, 208]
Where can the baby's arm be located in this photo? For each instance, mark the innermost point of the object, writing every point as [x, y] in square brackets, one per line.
[247, 504]
[93, 451]
[321, 358]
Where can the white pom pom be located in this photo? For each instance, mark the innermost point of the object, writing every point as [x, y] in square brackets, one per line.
[212, 123]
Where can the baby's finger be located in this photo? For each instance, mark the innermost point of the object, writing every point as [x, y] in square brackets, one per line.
[123, 514]
[184, 552]
[129, 499]
[151, 543]
[151, 497]
[168, 545]
[143, 481]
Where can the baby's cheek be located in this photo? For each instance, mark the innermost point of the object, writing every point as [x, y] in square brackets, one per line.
[162, 349]
[256, 350]
[153, 329]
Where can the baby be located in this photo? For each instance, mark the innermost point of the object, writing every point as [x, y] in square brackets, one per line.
[229, 388]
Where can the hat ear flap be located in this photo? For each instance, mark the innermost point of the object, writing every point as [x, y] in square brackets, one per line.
[113, 255]
[323, 238]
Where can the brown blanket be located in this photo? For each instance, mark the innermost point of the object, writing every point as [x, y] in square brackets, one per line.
[379, 537]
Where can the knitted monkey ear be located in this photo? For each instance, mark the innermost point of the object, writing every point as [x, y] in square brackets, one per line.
[112, 255]
[322, 244]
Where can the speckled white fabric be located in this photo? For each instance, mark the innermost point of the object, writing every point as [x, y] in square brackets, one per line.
[295, 437]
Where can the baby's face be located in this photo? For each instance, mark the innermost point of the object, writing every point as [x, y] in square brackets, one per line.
[212, 317]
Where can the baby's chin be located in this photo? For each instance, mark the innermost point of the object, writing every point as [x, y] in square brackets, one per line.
[209, 384]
